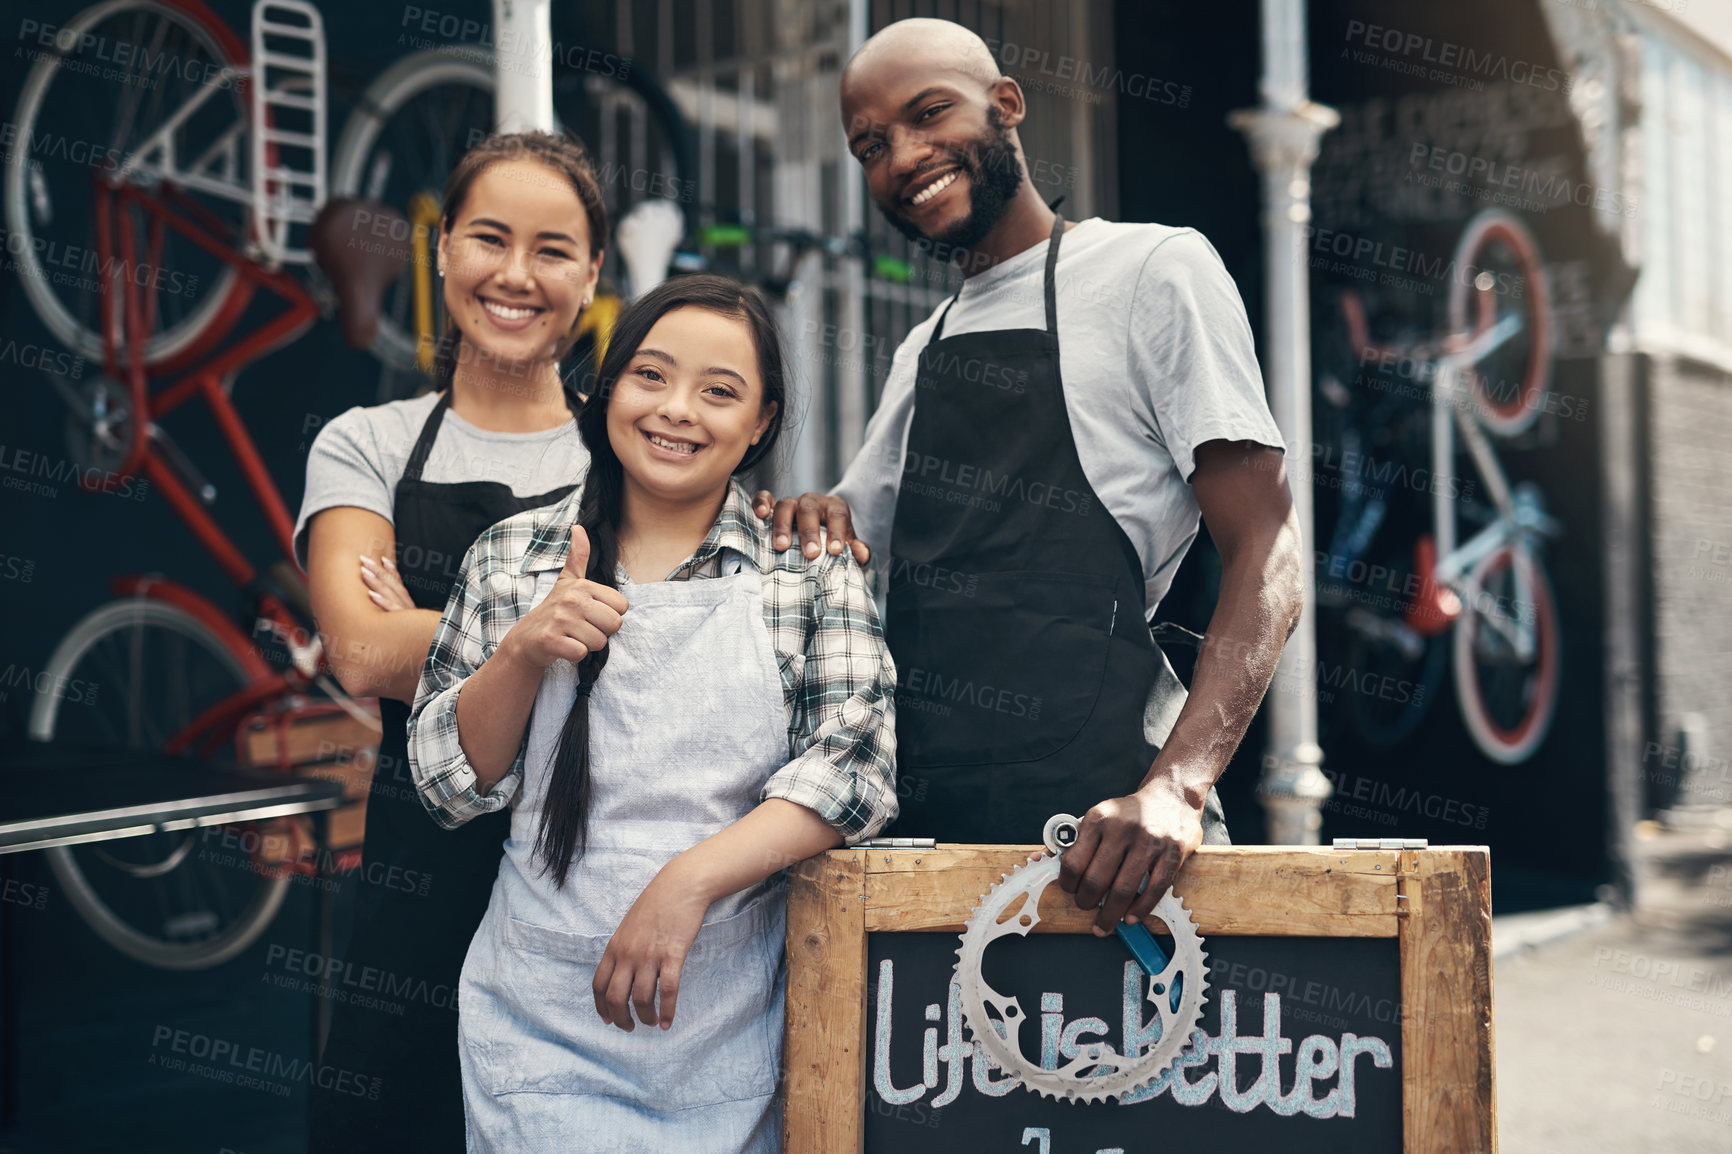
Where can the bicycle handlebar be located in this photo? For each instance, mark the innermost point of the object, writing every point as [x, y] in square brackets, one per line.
[1450, 352]
[1484, 344]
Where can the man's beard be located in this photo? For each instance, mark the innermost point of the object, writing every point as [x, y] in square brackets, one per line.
[994, 176]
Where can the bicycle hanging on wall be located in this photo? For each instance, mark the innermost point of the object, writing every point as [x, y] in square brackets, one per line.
[210, 167]
[207, 163]
[1487, 598]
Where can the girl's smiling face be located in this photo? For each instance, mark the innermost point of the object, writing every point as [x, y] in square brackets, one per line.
[517, 264]
[688, 406]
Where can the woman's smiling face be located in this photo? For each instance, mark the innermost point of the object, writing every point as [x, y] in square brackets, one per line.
[516, 262]
[689, 405]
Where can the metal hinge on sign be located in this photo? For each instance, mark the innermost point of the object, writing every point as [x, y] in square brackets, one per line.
[1380, 843]
[1406, 892]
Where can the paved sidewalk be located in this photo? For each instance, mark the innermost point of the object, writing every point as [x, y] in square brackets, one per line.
[1617, 1035]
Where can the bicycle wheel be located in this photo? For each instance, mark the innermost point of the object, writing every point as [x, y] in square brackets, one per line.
[1389, 691]
[406, 133]
[1507, 698]
[1498, 271]
[81, 116]
[164, 898]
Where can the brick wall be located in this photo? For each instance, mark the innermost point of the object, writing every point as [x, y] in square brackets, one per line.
[1690, 535]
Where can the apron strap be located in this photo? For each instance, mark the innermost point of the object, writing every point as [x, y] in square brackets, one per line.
[1050, 289]
[424, 443]
[1176, 634]
[938, 329]
[1051, 269]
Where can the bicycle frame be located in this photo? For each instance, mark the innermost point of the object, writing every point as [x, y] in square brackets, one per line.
[115, 207]
[115, 229]
[157, 391]
[1449, 408]
[1518, 522]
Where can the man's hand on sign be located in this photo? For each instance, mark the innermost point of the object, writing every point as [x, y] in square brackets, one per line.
[810, 511]
[1123, 840]
[1241, 488]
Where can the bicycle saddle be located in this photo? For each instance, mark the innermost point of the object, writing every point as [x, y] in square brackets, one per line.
[284, 582]
[362, 246]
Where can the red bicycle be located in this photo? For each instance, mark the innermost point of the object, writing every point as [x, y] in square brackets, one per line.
[184, 205]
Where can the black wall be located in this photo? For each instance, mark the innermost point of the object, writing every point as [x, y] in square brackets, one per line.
[1188, 167]
[76, 542]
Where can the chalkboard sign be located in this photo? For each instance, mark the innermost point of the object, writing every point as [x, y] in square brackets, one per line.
[1349, 1007]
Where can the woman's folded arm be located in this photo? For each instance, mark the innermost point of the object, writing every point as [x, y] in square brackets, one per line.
[453, 788]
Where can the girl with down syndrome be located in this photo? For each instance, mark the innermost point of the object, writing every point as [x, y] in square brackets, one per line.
[674, 712]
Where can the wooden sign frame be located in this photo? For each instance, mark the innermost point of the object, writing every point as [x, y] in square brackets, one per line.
[1436, 901]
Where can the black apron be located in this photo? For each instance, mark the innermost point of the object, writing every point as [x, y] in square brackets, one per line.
[422, 888]
[1028, 683]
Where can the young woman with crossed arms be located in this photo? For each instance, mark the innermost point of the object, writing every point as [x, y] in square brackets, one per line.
[396, 494]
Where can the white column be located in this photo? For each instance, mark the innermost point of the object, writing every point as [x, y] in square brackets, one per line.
[522, 65]
[1283, 134]
[802, 101]
[853, 353]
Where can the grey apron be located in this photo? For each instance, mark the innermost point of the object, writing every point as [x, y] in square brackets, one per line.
[687, 722]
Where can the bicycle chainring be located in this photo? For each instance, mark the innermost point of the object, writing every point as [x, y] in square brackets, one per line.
[1098, 1071]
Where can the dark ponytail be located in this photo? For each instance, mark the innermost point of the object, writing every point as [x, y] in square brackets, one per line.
[565, 810]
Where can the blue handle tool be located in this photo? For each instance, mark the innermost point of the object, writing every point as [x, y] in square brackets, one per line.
[1143, 946]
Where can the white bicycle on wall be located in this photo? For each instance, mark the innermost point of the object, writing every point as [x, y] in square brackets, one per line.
[1487, 376]
[236, 133]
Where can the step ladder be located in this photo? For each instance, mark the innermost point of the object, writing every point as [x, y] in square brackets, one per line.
[288, 123]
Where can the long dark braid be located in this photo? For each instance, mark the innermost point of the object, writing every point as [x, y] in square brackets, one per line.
[565, 810]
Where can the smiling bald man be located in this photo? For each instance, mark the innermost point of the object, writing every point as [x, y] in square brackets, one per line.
[1034, 474]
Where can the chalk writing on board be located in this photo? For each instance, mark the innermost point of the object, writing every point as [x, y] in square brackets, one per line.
[1043, 1136]
[1208, 1068]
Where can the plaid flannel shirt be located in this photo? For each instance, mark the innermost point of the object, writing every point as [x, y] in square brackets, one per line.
[838, 682]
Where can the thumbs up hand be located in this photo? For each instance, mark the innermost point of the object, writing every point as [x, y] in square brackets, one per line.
[577, 557]
[577, 616]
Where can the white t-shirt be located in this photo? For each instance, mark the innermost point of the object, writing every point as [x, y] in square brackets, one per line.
[359, 456]
[1157, 358]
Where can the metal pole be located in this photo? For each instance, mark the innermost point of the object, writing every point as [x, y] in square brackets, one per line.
[1283, 133]
[522, 65]
[853, 356]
